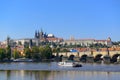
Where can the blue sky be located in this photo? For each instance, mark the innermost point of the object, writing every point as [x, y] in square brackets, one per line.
[97, 19]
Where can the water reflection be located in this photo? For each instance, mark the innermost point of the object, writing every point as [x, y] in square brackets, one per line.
[57, 75]
[51, 71]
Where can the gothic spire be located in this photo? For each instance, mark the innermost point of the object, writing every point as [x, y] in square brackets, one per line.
[36, 34]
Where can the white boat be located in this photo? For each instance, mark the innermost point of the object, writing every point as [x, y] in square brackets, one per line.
[65, 63]
[69, 63]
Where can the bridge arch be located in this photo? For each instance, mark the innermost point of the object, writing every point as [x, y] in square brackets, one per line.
[98, 57]
[83, 58]
[71, 57]
[114, 57]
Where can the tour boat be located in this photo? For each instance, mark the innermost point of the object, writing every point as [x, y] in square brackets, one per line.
[69, 63]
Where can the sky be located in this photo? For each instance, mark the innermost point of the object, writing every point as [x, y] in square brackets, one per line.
[93, 19]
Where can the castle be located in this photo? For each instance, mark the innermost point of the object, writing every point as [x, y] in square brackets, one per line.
[43, 37]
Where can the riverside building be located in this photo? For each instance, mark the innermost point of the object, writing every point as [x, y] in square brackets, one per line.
[87, 42]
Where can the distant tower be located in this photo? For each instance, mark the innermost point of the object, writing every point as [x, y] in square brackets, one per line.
[8, 41]
[41, 34]
[109, 39]
[38, 34]
[109, 42]
[35, 34]
[30, 43]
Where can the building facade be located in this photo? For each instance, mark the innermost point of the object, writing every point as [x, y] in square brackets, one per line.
[87, 42]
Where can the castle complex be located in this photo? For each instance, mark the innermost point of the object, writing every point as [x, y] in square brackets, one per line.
[41, 37]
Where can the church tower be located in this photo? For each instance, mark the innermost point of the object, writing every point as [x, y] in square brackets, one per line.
[41, 34]
[8, 41]
[109, 42]
[36, 34]
[109, 39]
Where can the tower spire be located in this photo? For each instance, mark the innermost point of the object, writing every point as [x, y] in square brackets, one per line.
[41, 34]
[36, 34]
[8, 41]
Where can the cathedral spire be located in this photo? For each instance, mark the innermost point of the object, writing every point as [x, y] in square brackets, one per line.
[36, 34]
[8, 41]
[41, 30]
[41, 34]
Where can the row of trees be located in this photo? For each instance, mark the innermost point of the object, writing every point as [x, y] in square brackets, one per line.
[36, 53]
[6, 54]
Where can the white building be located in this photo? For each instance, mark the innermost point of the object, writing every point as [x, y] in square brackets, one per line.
[87, 42]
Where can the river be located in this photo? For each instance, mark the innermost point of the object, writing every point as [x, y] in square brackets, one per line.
[51, 71]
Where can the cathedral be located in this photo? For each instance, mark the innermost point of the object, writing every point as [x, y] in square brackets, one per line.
[40, 35]
[46, 37]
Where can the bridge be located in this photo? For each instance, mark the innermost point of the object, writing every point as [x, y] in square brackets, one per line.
[96, 55]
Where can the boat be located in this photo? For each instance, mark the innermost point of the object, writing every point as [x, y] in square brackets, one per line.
[69, 63]
[23, 60]
[77, 65]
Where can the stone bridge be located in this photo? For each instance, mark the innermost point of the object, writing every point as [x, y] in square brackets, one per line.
[100, 54]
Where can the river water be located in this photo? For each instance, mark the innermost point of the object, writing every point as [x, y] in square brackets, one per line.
[51, 71]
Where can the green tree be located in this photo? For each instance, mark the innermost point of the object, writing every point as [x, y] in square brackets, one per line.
[36, 56]
[35, 49]
[35, 53]
[2, 54]
[42, 52]
[16, 54]
[27, 53]
[8, 53]
[56, 50]
[46, 52]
